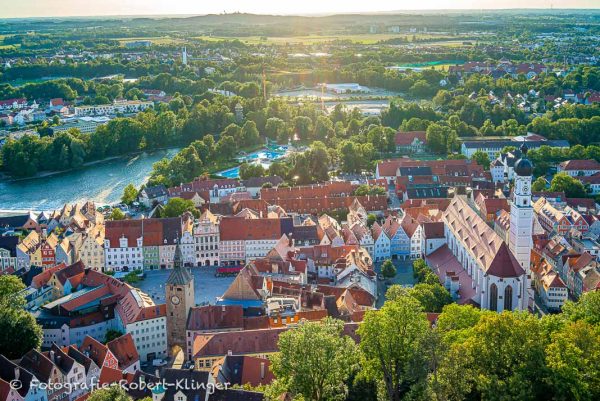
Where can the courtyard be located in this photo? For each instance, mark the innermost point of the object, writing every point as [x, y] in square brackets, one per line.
[404, 277]
[207, 287]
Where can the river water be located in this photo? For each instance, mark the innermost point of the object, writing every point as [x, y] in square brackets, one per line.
[102, 183]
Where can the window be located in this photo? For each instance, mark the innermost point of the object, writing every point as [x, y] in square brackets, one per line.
[508, 292]
[494, 298]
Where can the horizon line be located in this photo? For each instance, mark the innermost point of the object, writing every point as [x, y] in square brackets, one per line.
[312, 15]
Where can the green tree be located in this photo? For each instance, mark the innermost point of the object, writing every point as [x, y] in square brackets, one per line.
[117, 214]
[388, 270]
[394, 342]
[129, 194]
[572, 187]
[371, 219]
[573, 357]
[10, 288]
[539, 184]
[432, 297]
[226, 148]
[19, 332]
[250, 135]
[175, 207]
[587, 308]
[112, 334]
[482, 159]
[248, 170]
[305, 351]
[113, 393]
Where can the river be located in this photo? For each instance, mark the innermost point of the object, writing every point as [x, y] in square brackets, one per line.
[102, 183]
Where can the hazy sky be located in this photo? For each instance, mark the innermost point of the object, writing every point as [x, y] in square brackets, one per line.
[46, 8]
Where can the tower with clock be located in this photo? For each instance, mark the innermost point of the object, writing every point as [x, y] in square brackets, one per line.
[179, 298]
[521, 212]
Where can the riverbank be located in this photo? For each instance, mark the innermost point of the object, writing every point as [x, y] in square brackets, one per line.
[103, 182]
[44, 174]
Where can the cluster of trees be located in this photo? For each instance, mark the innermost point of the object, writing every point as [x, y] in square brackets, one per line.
[19, 332]
[469, 354]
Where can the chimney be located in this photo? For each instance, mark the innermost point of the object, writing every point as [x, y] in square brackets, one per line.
[229, 353]
[262, 370]
[17, 372]
[52, 356]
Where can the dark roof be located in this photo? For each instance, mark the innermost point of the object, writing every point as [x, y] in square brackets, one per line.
[180, 275]
[7, 373]
[156, 191]
[38, 364]
[424, 193]
[14, 221]
[434, 230]
[10, 243]
[425, 170]
[194, 390]
[236, 395]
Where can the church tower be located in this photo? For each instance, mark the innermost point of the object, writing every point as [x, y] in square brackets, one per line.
[521, 212]
[179, 299]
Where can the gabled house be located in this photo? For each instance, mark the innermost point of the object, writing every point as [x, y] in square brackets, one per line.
[382, 244]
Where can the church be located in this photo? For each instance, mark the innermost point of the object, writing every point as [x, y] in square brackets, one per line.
[477, 266]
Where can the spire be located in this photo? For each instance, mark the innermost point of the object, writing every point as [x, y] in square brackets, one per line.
[178, 257]
[180, 275]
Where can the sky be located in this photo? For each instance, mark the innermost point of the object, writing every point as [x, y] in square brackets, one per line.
[51, 8]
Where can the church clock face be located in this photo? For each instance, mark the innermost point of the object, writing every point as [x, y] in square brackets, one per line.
[525, 188]
[175, 300]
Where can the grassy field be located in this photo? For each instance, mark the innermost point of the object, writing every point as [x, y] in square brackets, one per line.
[312, 39]
[159, 40]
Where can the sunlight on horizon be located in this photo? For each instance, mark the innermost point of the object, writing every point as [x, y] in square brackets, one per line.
[39, 8]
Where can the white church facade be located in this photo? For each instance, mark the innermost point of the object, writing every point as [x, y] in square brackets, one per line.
[498, 273]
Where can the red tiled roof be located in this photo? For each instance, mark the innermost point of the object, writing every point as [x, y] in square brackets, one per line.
[433, 230]
[211, 317]
[580, 165]
[407, 138]
[123, 348]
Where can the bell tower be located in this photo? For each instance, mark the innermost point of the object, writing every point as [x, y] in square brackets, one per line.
[521, 212]
[179, 298]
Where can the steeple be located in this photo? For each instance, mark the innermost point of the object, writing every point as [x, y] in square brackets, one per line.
[178, 257]
[180, 274]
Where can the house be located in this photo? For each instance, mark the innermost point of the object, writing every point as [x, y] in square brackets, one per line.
[99, 353]
[579, 168]
[411, 142]
[212, 318]
[433, 237]
[151, 196]
[582, 272]
[46, 372]
[255, 184]
[495, 146]
[139, 317]
[28, 391]
[208, 349]
[550, 287]
[124, 349]
[72, 371]
[382, 244]
[196, 390]
[243, 370]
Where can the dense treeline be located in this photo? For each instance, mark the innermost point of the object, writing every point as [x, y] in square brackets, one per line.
[469, 354]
